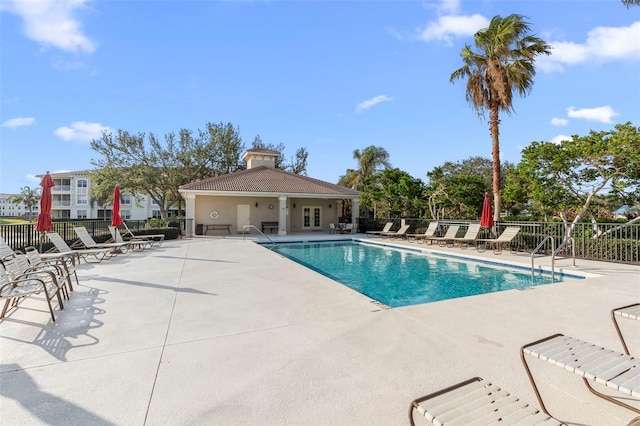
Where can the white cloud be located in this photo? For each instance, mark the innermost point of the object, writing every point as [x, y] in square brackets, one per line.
[602, 114]
[560, 138]
[81, 131]
[446, 28]
[12, 123]
[52, 23]
[372, 102]
[603, 44]
[559, 121]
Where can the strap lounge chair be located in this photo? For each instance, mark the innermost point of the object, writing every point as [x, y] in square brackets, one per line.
[430, 232]
[61, 246]
[476, 401]
[631, 312]
[497, 244]
[452, 230]
[400, 233]
[16, 286]
[85, 240]
[155, 239]
[387, 228]
[63, 261]
[134, 243]
[592, 363]
[469, 237]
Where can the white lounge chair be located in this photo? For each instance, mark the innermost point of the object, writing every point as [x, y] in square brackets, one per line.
[387, 228]
[470, 237]
[154, 239]
[592, 363]
[476, 401]
[400, 233]
[452, 231]
[430, 232]
[16, 284]
[631, 312]
[61, 246]
[85, 240]
[497, 244]
[134, 243]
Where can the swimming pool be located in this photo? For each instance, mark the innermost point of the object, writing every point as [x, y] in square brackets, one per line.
[397, 277]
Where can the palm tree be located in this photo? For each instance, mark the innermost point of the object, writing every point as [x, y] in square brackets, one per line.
[503, 64]
[28, 196]
[631, 2]
[370, 161]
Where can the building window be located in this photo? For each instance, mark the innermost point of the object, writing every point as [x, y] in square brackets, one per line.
[126, 200]
[125, 214]
[156, 214]
[82, 214]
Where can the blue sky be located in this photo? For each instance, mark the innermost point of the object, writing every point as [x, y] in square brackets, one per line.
[330, 76]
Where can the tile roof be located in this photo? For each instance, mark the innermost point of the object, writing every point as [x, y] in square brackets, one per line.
[268, 180]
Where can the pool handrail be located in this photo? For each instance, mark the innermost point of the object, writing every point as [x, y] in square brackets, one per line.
[257, 230]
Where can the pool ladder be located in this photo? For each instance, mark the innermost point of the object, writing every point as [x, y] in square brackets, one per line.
[258, 231]
[554, 252]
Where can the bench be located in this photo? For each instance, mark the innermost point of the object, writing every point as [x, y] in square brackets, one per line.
[216, 227]
[270, 225]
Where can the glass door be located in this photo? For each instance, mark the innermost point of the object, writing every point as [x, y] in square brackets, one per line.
[311, 218]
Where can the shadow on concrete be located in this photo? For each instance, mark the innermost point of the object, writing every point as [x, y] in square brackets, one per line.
[50, 409]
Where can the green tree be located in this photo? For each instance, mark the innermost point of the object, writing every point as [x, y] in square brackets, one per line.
[28, 196]
[631, 3]
[393, 193]
[371, 160]
[147, 165]
[567, 177]
[455, 194]
[502, 65]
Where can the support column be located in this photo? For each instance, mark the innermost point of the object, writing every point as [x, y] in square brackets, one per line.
[190, 213]
[355, 212]
[283, 212]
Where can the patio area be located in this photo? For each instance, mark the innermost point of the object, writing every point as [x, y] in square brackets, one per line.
[220, 330]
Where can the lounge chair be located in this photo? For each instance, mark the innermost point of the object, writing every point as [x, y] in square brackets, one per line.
[631, 312]
[469, 237]
[387, 228]
[154, 239]
[333, 229]
[64, 261]
[16, 285]
[61, 246]
[497, 244]
[86, 241]
[430, 232]
[397, 234]
[452, 230]
[134, 243]
[476, 401]
[592, 363]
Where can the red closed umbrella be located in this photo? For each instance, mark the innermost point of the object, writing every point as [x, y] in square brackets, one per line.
[343, 216]
[486, 220]
[116, 220]
[44, 216]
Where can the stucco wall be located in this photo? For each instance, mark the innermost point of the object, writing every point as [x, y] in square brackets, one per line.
[227, 208]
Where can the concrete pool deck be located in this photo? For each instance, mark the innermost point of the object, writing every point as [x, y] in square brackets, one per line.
[223, 331]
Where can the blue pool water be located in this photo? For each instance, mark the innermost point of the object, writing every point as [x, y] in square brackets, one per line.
[401, 277]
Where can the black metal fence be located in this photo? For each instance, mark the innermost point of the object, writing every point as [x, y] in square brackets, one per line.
[25, 235]
[612, 242]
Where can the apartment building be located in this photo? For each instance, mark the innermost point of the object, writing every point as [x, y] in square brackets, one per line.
[71, 199]
[9, 208]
